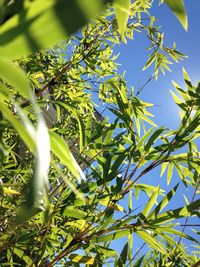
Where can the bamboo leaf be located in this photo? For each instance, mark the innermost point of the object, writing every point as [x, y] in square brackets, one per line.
[81, 259]
[8, 191]
[163, 203]
[163, 168]
[26, 131]
[150, 204]
[61, 150]
[153, 243]
[107, 219]
[185, 211]
[123, 256]
[122, 9]
[139, 262]
[74, 212]
[110, 237]
[178, 8]
[32, 30]
[170, 172]
[153, 138]
[14, 76]
[107, 252]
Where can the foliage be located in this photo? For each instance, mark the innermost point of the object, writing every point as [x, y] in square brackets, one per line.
[68, 207]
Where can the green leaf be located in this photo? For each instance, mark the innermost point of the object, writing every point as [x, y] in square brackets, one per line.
[163, 168]
[185, 211]
[139, 262]
[110, 237]
[153, 138]
[32, 29]
[81, 133]
[107, 219]
[122, 9]
[150, 61]
[169, 172]
[61, 150]
[26, 131]
[14, 76]
[130, 201]
[21, 254]
[163, 203]
[153, 243]
[74, 212]
[123, 256]
[8, 191]
[81, 259]
[107, 252]
[177, 6]
[150, 204]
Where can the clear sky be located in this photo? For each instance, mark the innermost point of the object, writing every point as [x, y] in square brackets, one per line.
[132, 59]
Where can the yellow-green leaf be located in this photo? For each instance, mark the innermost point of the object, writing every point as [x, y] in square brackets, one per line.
[178, 8]
[82, 259]
[44, 24]
[122, 9]
[61, 150]
[9, 191]
[15, 77]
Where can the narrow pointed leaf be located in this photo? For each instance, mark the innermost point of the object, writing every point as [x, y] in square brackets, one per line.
[163, 203]
[61, 150]
[178, 8]
[122, 14]
[15, 77]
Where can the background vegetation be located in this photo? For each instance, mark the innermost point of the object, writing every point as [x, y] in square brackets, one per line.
[68, 190]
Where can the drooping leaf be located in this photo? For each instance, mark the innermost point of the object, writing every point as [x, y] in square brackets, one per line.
[15, 77]
[150, 204]
[163, 203]
[151, 241]
[122, 14]
[177, 6]
[61, 150]
[32, 29]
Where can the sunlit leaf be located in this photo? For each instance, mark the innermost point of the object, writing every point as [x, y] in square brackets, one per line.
[81, 259]
[150, 203]
[14, 76]
[61, 150]
[9, 191]
[151, 241]
[110, 237]
[32, 30]
[178, 8]
[163, 203]
[122, 14]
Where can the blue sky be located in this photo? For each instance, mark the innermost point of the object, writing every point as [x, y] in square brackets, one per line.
[133, 56]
